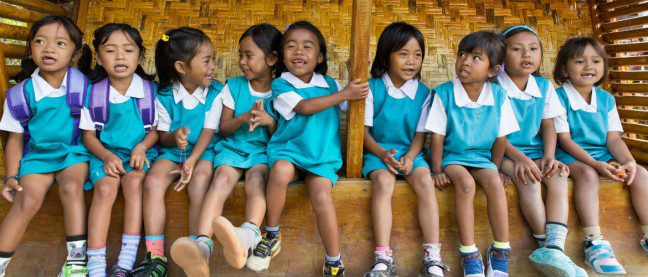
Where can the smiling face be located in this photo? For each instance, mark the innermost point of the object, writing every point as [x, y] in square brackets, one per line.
[301, 53]
[119, 55]
[52, 48]
[523, 54]
[200, 70]
[253, 61]
[405, 63]
[474, 67]
[586, 70]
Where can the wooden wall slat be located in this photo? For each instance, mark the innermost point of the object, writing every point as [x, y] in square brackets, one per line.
[631, 100]
[627, 47]
[19, 13]
[13, 32]
[636, 128]
[622, 35]
[13, 51]
[629, 75]
[629, 87]
[40, 5]
[627, 10]
[641, 20]
[638, 60]
[633, 114]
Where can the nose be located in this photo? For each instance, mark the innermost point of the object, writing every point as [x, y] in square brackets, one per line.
[526, 53]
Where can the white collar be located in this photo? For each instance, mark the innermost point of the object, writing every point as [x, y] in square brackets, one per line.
[513, 91]
[409, 88]
[462, 99]
[258, 94]
[135, 89]
[317, 80]
[180, 93]
[42, 88]
[576, 101]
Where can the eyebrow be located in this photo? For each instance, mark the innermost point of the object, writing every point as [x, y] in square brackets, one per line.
[114, 44]
[479, 53]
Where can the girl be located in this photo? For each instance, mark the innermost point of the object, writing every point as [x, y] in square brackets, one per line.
[397, 98]
[119, 129]
[184, 61]
[41, 115]
[590, 137]
[531, 151]
[239, 151]
[470, 118]
[306, 140]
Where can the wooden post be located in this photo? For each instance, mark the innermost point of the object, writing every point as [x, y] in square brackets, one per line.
[358, 66]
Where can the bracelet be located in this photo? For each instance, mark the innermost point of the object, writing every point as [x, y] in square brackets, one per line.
[9, 177]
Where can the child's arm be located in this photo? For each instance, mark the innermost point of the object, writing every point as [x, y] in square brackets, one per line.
[261, 117]
[206, 136]
[497, 152]
[549, 165]
[13, 154]
[572, 148]
[407, 160]
[112, 163]
[621, 154]
[523, 166]
[436, 151]
[138, 155]
[229, 124]
[353, 91]
[385, 155]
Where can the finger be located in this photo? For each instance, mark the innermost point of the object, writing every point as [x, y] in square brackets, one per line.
[131, 163]
[391, 169]
[630, 175]
[147, 162]
[519, 175]
[553, 169]
[178, 186]
[610, 174]
[110, 172]
[537, 174]
[173, 172]
[565, 170]
[6, 195]
[120, 168]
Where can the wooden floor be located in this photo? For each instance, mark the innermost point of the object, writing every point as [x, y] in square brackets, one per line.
[42, 251]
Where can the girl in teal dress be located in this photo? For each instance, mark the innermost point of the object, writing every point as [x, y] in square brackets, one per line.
[241, 151]
[47, 148]
[187, 104]
[305, 106]
[398, 99]
[116, 133]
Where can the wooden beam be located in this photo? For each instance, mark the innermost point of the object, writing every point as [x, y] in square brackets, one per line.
[616, 87]
[641, 20]
[13, 51]
[626, 47]
[80, 13]
[617, 4]
[627, 10]
[636, 128]
[594, 16]
[358, 64]
[19, 13]
[40, 5]
[638, 60]
[633, 114]
[641, 75]
[13, 32]
[623, 35]
[631, 100]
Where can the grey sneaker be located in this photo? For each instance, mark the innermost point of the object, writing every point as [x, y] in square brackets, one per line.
[389, 272]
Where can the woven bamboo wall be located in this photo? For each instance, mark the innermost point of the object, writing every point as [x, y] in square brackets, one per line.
[443, 22]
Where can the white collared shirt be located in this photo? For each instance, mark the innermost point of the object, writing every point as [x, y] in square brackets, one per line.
[135, 90]
[189, 102]
[576, 102]
[228, 100]
[437, 119]
[408, 90]
[285, 103]
[552, 106]
[42, 89]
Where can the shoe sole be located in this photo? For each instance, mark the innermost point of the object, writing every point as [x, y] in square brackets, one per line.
[186, 253]
[548, 270]
[604, 273]
[225, 233]
[257, 266]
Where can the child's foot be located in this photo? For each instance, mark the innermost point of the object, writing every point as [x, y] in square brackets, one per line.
[73, 270]
[187, 254]
[117, 271]
[235, 242]
[333, 268]
[382, 268]
[600, 257]
[497, 261]
[472, 264]
[267, 249]
[152, 265]
[432, 268]
[551, 262]
[644, 245]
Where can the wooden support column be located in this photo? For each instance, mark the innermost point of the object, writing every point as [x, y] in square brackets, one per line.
[358, 66]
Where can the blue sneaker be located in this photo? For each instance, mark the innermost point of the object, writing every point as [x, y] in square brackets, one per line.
[497, 261]
[472, 264]
[600, 257]
[644, 245]
[551, 262]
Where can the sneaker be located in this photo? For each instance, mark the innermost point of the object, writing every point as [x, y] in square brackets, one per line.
[425, 269]
[73, 270]
[578, 271]
[268, 248]
[151, 266]
[497, 261]
[551, 262]
[333, 269]
[187, 254]
[472, 264]
[644, 245]
[117, 271]
[388, 271]
[600, 257]
[233, 240]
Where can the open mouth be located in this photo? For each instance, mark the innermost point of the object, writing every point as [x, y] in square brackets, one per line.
[120, 68]
[464, 73]
[299, 62]
[409, 71]
[527, 65]
[47, 60]
[588, 75]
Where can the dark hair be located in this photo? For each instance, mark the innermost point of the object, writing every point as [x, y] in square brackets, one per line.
[516, 31]
[180, 44]
[27, 65]
[392, 39]
[573, 48]
[102, 35]
[489, 42]
[267, 38]
[322, 67]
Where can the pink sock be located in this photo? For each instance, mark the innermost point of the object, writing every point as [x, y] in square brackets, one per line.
[155, 245]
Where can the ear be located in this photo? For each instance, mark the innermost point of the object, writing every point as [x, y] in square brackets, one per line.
[320, 59]
[494, 72]
[563, 71]
[180, 67]
[98, 59]
[77, 55]
[272, 59]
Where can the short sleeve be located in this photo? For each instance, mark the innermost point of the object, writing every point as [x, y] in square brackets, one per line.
[437, 118]
[344, 106]
[552, 107]
[8, 122]
[86, 123]
[164, 119]
[285, 103]
[228, 100]
[614, 122]
[425, 110]
[562, 126]
[212, 118]
[508, 123]
[369, 110]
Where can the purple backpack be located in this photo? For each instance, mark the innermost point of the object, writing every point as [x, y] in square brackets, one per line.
[76, 85]
[99, 106]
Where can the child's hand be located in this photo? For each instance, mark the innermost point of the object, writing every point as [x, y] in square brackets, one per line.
[630, 171]
[185, 173]
[506, 180]
[608, 171]
[244, 118]
[392, 164]
[441, 180]
[407, 164]
[260, 117]
[527, 168]
[138, 159]
[10, 188]
[550, 166]
[355, 90]
[113, 166]
[180, 136]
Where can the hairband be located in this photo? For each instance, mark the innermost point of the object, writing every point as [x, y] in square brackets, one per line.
[525, 27]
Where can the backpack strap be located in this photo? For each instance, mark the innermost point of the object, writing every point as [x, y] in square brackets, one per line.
[77, 85]
[20, 109]
[98, 105]
[146, 105]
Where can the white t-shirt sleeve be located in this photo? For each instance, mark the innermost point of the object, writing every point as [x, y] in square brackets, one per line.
[369, 110]
[228, 100]
[8, 122]
[212, 118]
[562, 126]
[164, 119]
[552, 107]
[508, 123]
[285, 103]
[437, 118]
[344, 106]
[425, 110]
[86, 123]
[614, 122]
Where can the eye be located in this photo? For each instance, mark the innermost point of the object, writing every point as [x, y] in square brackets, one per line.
[308, 47]
[61, 43]
[517, 49]
[597, 61]
[110, 51]
[290, 46]
[39, 41]
[578, 61]
[477, 58]
[462, 55]
[419, 54]
[534, 48]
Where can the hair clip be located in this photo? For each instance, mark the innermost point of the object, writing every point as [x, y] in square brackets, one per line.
[287, 27]
[165, 38]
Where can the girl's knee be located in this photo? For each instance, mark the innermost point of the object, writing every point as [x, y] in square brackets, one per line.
[105, 191]
[583, 173]
[132, 188]
[255, 174]
[29, 204]
[464, 184]
[71, 190]
[383, 183]
[154, 184]
[321, 198]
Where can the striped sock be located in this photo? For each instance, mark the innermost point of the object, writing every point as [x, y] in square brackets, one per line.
[97, 262]
[193, 237]
[155, 245]
[556, 235]
[130, 242]
[206, 245]
[5, 258]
